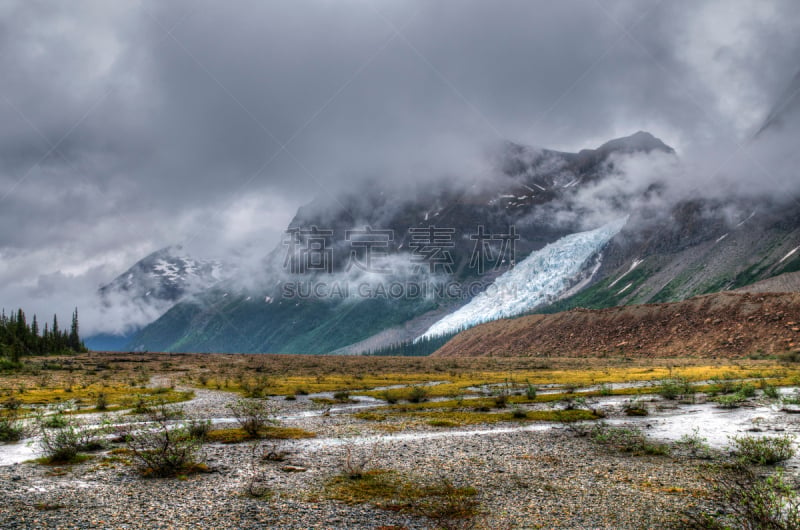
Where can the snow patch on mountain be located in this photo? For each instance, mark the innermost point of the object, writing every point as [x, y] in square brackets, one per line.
[789, 255]
[539, 278]
[635, 264]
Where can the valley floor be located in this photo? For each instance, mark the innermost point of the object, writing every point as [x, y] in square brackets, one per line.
[502, 466]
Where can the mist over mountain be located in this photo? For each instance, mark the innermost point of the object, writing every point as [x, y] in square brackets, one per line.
[669, 245]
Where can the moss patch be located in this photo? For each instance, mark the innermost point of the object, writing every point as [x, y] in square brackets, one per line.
[390, 490]
[459, 418]
[237, 435]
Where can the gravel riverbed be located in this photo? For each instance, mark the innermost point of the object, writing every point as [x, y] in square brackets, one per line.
[544, 476]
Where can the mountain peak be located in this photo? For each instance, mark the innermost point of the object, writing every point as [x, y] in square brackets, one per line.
[639, 141]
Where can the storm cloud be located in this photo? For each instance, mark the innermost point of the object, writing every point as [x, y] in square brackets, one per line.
[129, 126]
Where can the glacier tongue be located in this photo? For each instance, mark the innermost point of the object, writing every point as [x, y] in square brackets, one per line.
[542, 276]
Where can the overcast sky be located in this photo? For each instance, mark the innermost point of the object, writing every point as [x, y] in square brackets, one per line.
[129, 126]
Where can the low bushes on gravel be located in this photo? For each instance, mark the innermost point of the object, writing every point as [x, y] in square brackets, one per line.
[253, 415]
[744, 500]
[63, 438]
[627, 440]
[10, 430]
[164, 447]
[765, 451]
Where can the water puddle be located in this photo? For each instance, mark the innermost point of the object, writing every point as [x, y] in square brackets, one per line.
[17, 453]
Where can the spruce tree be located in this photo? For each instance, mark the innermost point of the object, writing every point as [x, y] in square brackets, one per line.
[74, 341]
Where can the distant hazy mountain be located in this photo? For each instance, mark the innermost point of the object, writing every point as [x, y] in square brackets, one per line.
[148, 289]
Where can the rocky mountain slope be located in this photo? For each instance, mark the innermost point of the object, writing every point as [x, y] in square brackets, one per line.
[662, 249]
[515, 203]
[716, 325]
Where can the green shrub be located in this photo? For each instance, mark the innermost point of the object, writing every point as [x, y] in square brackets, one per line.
[390, 397]
[417, 394]
[162, 449]
[64, 442]
[767, 450]
[199, 429]
[10, 430]
[771, 392]
[634, 407]
[627, 440]
[342, 396]
[8, 365]
[675, 388]
[695, 445]
[253, 415]
[54, 421]
[722, 385]
[746, 390]
[101, 403]
[730, 401]
[746, 501]
[530, 392]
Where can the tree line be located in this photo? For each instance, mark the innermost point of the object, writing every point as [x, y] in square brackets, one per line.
[410, 348]
[19, 338]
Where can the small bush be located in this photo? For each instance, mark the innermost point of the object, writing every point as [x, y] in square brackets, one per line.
[730, 401]
[518, 413]
[530, 392]
[199, 429]
[356, 462]
[101, 403]
[722, 385]
[746, 390]
[605, 390]
[8, 364]
[64, 442]
[417, 395]
[163, 449]
[695, 445]
[255, 486]
[53, 421]
[253, 415]
[627, 440]
[10, 430]
[744, 500]
[634, 407]
[765, 451]
[390, 397]
[342, 396]
[675, 388]
[771, 392]
[12, 404]
[141, 406]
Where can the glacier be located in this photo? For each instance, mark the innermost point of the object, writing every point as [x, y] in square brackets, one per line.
[541, 277]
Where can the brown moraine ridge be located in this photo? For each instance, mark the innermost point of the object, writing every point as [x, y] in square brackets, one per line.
[727, 325]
